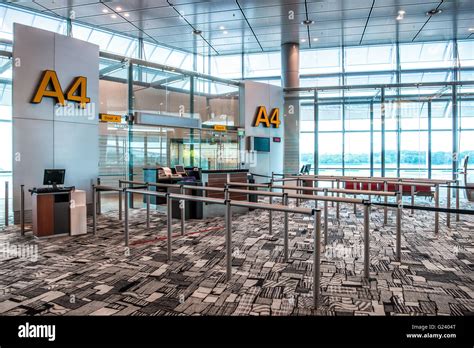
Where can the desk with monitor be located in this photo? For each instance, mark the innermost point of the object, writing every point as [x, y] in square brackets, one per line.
[58, 210]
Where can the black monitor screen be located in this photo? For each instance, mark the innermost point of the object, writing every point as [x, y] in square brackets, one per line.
[261, 144]
[54, 176]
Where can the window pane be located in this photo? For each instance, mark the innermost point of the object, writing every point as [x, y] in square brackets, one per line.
[441, 115]
[262, 64]
[357, 151]
[466, 53]
[441, 150]
[330, 150]
[320, 61]
[414, 115]
[370, 58]
[426, 55]
[391, 150]
[330, 117]
[414, 153]
[6, 146]
[357, 117]
[307, 149]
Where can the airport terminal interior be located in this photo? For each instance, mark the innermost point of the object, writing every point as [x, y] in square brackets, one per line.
[237, 157]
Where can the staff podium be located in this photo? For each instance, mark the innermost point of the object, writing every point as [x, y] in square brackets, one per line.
[59, 213]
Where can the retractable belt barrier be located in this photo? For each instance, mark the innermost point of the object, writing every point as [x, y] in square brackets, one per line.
[283, 207]
[228, 236]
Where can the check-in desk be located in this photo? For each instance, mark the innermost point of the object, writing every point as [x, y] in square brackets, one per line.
[59, 213]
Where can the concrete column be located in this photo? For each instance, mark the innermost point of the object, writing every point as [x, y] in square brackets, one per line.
[290, 72]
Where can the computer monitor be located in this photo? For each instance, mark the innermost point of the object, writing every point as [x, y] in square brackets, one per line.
[180, 170]
[54, 177]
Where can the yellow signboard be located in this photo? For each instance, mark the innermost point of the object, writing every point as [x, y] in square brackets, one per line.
[110, 118]
[77, 91]
[262, 117]
[220, 128]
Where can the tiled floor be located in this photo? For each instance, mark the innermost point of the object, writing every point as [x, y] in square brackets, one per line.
[97, 275]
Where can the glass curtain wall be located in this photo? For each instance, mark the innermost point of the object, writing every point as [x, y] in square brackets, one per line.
[127, 148]
[5, 134]
[418, 135]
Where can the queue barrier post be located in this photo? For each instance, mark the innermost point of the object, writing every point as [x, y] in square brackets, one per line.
[326, 218]
[94, 209]
[99, 205]
[228, 239]
[285, 231]
[385, 209]
[22, 209]
[398, 247]
[7, 199]
[169, 218]
[317, 259]
[448, 205]
[147, 200]
[120, 200]
[436, 206]
[366, 241]
[182, 209]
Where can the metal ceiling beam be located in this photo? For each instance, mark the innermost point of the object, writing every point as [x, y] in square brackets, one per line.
[169, 68]
[111, 68]
[376, 86]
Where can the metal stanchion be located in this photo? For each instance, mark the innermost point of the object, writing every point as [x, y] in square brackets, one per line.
[126, 217]
[285, 232]
[366, 241]
[370, 189]
[182, 207]
[385, 209]
[270, 213]
[169, 219]
[398, 247]
[355, 206]
[457, 201]
[99, 208]
[22, 209]
[147, 200]
[337, 203]
[94, 210]
[412, 198]
[6, 203]
[436, 206]
[448, 205]
[228, 239]
[325, 219]
[298, 181]
[317, 259]
[332, 193]
[120, 204]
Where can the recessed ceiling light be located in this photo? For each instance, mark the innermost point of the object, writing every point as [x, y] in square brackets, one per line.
[471, 29]
[197, 32]
[225, 32]
[105, 10]
[118, 8]
[127, 14]
[221, 27]
[113, 16]
[401, 15]
[434, 12]
[303, 40]
[315, 39]
[307, 22]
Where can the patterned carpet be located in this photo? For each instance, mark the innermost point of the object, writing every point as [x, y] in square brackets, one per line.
[97, 275]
